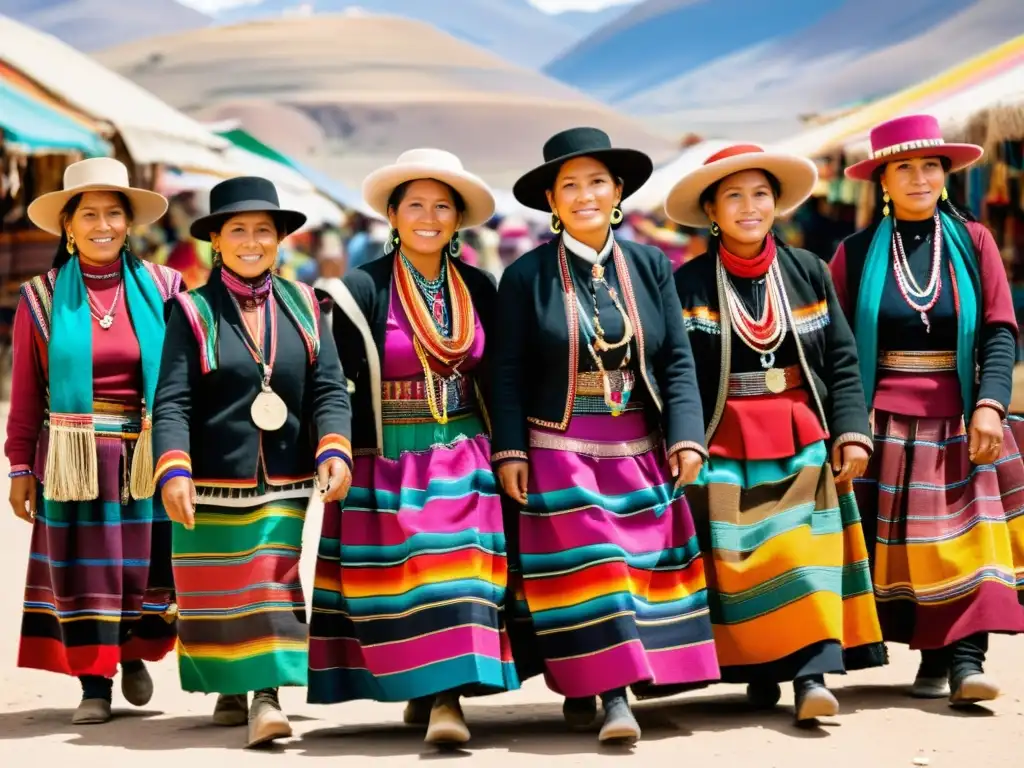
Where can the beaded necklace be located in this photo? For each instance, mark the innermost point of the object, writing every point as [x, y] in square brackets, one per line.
[432, 292]
[763, 335]
[911, 291]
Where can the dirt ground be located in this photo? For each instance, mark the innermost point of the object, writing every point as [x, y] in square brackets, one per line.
[879, 727]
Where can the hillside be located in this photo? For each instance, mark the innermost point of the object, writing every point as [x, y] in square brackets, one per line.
[512, 29]
[90, 25]
[693, 67]
[346, 94]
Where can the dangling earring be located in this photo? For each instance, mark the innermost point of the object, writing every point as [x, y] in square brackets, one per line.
[71, 245]
[556, 223]
[945, 194]
[393, 242]
[616, 216]
[715, 229]
[885, 199]
[454, 245]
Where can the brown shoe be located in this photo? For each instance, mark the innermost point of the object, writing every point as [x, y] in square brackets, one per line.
[137, 685]
[231, 711]
[447, 725]
[92, 712]
[417, 711]
[267, 722]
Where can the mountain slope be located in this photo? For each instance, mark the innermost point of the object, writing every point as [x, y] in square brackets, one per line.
[90, 25]
[512, 29]
[345, 94]
[722, 77]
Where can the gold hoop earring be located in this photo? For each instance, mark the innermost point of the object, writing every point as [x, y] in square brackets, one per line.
[616, 216]
[885, 199]
[715, 229]
[71, 245]
[556, 223]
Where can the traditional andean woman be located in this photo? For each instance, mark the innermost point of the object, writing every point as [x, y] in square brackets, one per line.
[251, 411]
[787, 429]
[597, 428]
[87, 337]
[411, 574]
[942, 496]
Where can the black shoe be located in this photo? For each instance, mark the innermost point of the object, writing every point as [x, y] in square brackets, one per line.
[763, 695]
[580, 713]
[813, 700]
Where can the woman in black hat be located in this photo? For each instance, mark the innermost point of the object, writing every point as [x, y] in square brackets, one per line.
[597, 428]
[251, 409]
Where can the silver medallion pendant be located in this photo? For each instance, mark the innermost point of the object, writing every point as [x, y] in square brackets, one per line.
[269, 411]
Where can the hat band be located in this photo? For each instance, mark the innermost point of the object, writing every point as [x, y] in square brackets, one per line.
[733, 151]
[906, 146]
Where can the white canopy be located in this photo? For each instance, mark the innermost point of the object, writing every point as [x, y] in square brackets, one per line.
[153, 131]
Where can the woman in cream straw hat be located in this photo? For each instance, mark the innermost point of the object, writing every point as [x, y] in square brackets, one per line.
[410, 580]
[942, 495]
[787, 429]
[87, 338]
[597, 431]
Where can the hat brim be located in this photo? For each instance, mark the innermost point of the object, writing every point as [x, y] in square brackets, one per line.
[45, 210]
[630, 165]
[378, 186]
[204, 226]
[797, 178]
[960, 156]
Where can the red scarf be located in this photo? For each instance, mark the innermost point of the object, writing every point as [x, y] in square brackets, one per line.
[755, 267]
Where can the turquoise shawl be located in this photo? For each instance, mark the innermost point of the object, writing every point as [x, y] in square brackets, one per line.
[960, 249]
[71, 471]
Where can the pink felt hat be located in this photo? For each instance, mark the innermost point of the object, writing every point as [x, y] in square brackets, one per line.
[911, 136]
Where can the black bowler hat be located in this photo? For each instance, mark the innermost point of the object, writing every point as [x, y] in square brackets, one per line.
[245, 194]
[630, 165]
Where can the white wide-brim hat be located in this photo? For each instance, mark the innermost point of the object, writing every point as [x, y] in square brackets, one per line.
[97, 174]
[797, 177]
[434, 164]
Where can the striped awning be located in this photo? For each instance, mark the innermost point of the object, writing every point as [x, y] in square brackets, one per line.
[35, 129]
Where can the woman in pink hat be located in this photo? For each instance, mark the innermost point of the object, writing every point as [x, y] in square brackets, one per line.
[786, 423]
[942, 494]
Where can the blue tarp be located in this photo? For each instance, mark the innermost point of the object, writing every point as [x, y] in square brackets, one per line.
[39, 129]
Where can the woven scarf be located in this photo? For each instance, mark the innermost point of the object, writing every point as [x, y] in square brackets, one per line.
[299, 303]
[71, 462]
[967, 285]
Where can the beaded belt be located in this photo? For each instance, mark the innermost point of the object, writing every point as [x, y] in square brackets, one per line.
[590, 392]
[405, 401]
[917, 362]
[750, 384]
[110, 420]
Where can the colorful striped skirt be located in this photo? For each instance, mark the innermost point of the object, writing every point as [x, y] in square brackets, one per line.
[411, 573]
[612, 578]
[99, 585]
[947, 536]
[241, 611]
[788, 575]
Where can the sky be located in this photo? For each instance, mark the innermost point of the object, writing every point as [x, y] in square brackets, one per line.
[551, 6]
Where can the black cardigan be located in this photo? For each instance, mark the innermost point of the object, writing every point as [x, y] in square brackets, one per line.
[370, 286]
[826, 344]
[534, 363]
[206, 416]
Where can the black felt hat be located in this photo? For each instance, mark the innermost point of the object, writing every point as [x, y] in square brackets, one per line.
[245, 194]
[630, 165]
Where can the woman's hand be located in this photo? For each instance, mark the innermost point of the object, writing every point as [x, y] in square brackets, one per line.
[849, 460]
[23, 497]
[685, 464]
[179, 497]
[334, 479]
[513, 477]
[985, 435]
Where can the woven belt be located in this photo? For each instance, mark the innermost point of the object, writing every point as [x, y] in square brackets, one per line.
[754, 383]
[406, 401]
[917, 362]
[591, 383]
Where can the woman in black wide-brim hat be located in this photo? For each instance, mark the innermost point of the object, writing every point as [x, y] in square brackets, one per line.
[251, 410]
[597, 428]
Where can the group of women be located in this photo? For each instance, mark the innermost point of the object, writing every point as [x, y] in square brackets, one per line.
[598, 471]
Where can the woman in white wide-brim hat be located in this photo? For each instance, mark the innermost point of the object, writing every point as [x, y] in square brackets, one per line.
[87, 338]
[787, 429]
[411, 574]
